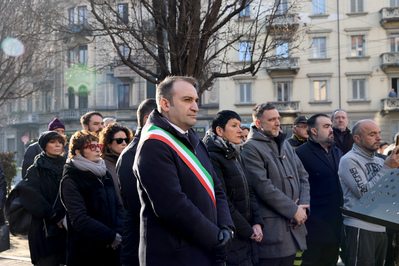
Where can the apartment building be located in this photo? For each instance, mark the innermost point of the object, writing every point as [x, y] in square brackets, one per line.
[347, 59]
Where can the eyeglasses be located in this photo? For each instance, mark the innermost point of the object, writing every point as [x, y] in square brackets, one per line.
[93, 147]
[120, 140]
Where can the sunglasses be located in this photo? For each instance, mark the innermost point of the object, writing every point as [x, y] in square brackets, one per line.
[93, 147]
[120, 140]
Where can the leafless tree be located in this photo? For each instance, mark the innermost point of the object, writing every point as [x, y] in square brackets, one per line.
[26, 57]
[202, 39]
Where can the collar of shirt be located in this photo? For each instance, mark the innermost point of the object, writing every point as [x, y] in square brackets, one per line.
[177, 128]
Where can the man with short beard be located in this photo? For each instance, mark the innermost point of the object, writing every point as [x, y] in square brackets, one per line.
[320, 157]
[281, 186]
[92, 121]
[364, 243]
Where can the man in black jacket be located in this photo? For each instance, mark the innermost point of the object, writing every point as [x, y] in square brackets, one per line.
[320, 157]
[184, 217]
[342, 135]
[128, 185]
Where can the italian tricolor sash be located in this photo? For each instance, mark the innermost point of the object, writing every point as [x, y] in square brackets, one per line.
[185, 154]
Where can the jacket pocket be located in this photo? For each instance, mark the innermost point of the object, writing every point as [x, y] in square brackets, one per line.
[273, 231]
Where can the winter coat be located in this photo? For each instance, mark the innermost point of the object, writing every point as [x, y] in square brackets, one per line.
[278, 179]
[38, 193]
[94, 216]
[179, 223]
[243, 206]
[131, 203]
[110, 161]
[295, 142]
[325, 223]
[347, 141]
[3, 195]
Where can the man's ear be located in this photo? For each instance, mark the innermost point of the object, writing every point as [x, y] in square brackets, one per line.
[165, 104]
[314, 131]
[257, 123]
[356, 138]
[86, 127]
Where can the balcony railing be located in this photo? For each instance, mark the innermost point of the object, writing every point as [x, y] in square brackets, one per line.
[68, 114]
[389, 14]
[283, 21]
[390, 104]
[282, 64]
[288, 107]
[389, 60]
[23, 119]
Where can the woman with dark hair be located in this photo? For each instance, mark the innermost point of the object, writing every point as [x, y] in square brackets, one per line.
[224, 145]
[114, 139]
[94, 213]
[39, 194]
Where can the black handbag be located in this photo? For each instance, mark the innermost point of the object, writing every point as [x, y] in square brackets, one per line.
[4, 237]
[18, 218]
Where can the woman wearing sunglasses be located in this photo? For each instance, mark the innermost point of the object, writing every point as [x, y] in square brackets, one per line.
[94, 213]
[114, 139]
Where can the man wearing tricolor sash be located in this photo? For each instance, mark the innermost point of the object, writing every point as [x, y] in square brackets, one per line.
[185, 218]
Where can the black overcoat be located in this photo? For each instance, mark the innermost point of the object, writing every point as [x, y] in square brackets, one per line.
[325, 221]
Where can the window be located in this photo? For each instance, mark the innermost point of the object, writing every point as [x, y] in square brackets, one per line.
[71, 98]
[83, 97]
[71, 16]
[83, 55]
[318, 7]
[245, 93]
[394, 43]
[123, 13]
[282, 6]
[244, 51]
[357, 45]
[245, 13]
[358, 89]
[319, 48]
[394, 3]
[282, 50]
[320, 90]
[47, 101]
[357, 6]
[29, 105]
[82, 16]
[71, 57]
[283, 91]
[123, 96]
[124, 49]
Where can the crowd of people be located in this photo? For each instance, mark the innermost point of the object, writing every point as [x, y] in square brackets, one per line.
[241, 196]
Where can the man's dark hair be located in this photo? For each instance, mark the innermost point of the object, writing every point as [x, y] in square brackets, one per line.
[259, 109]
[337, 110]
[244, 127]
[165, 88]
[145, 108]
[222, 118]
[85, 119]
[312, 122]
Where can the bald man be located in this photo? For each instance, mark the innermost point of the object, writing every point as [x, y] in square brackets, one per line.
[364, 243]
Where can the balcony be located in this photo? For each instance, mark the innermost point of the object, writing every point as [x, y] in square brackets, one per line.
[390, 62]
[282, 66]
[72, 114]
[281, 22]
[289, 107]
[22, 119]
[390, 17]
[389, 104]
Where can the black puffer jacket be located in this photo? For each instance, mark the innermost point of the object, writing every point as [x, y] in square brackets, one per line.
[39, 196]
[242, 202]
